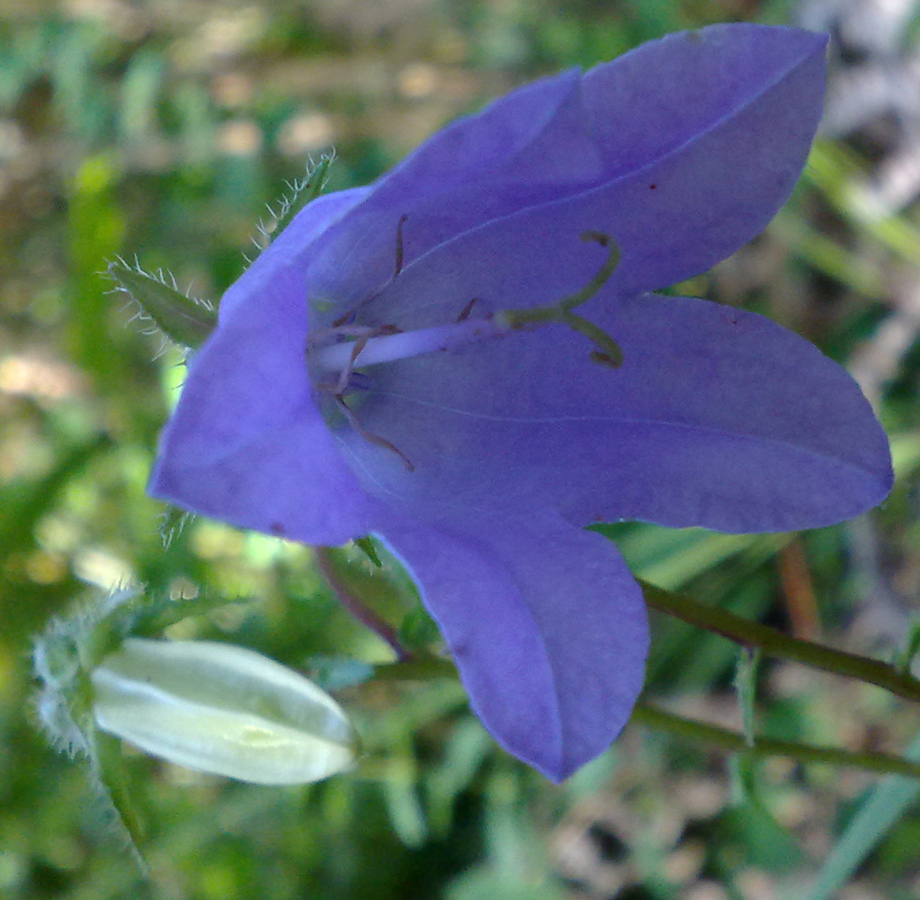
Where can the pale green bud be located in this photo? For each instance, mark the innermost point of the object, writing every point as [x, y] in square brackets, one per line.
[222, 709]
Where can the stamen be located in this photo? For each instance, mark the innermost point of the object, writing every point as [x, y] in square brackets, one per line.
[330, 351]
[358, 346]
[400, 256]
[369, 436]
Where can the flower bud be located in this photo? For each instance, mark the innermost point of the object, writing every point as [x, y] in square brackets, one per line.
[222, 709]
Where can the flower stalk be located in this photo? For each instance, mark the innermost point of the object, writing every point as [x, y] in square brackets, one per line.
[780, 646]
[733, 742]
[651, 716]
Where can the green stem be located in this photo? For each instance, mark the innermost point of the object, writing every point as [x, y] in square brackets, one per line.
[775, 644]
[734, 742]
[416, 668]
[432, 667]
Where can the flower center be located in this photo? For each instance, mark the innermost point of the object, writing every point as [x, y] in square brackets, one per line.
[337, 351]
[343, 348]
[372, 346]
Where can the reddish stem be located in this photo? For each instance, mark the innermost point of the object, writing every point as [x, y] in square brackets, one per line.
[363, 613]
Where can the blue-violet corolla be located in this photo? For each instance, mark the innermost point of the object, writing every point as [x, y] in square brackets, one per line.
[367, 374]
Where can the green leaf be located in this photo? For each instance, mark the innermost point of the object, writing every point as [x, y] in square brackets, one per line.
[95, 232]
[911, 647]
[488, 883]
[766, 843]
[467, 747]
[418, 631]
[885, 804]
[334, 673]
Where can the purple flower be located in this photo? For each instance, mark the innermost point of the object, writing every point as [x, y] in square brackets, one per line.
[336, 398]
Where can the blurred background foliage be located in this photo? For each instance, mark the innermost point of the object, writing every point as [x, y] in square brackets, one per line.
[161, 129]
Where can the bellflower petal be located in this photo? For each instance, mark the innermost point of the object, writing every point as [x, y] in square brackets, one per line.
[681, 175]
[478, 449]
[310, 224]
[237, 442]
[554, 689]
[717, 417]
[528, 147]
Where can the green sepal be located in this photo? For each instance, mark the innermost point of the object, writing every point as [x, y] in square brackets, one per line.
[305, 191]
[63, 657]
[301, 192]
[108, 765]
[183, 320]
[172, 523]
[150, 614]
[366, 546]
